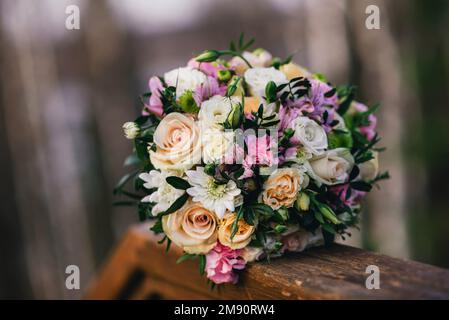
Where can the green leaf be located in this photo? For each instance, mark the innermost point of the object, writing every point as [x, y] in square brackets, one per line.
[178, 183]
[184, 257]
[141, 149]
[176, 205]
[124, 180]
[131, 160]
[124, 203]
[328, 228]
[319, 217]
[157, 227]
[202, 263]
[361, 186]
[235, 224]
[262, 209]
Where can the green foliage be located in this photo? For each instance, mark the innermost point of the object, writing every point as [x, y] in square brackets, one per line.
[187, 102]
[178, 183]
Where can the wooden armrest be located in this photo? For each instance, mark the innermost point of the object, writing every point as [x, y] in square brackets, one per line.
[141, 269]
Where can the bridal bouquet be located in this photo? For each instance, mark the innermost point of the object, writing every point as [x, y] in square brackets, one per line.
[248, 158]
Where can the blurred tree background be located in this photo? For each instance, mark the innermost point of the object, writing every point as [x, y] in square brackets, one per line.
[65, 94]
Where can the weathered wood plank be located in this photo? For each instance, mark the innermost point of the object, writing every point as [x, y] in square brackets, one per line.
[337, 272]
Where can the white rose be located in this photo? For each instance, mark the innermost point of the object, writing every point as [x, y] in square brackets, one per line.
[184, 79]
[214, 112]
[311, 135]
[370, 169]
[257, 79]
[164, 196]
[178, 142]
[331, 168]
[216, 144]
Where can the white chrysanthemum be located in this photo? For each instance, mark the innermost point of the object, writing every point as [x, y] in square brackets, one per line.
[215, 145]
[214, 112]
[311, 135]
[257, 79]
[165, 194]
[184, 79]
[214, 197]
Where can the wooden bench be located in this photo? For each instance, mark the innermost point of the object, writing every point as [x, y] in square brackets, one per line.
[141, 269]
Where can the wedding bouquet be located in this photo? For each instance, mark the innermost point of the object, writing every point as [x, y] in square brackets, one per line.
[248, 158]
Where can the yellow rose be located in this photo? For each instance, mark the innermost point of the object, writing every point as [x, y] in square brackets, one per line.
[282, 187]
[178, 143]
[243, 236]
[292, 70]
[193, 228]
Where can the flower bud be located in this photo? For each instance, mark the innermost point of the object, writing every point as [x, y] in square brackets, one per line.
[303, 202]
[210, 169]
[235, 117]
[271, 91]
[224, 75]
[131, 130]
[235, 87]
[280, 228]
[283, 213]
[208, 56]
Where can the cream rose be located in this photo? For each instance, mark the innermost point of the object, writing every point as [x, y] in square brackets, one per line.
[331, 168]
[282, 187]
[311, 135]
[243, 236]
[178, 143]
[370, 169]
[184, 79]
[193, 228]
[257, 79]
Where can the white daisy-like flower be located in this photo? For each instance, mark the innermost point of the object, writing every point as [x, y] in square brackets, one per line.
[165, 194]
[215, 197]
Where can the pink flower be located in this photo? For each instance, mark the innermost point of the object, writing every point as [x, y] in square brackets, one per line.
[209, 68]
[342, 190]
[259, 153]
[314, 105]
[154, 105]
[221, 263]
[208, 89]
[368, 131]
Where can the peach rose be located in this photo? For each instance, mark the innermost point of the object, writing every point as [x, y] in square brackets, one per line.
[283, 186]
[292, 70]
[243, 236]
[193, 228]
[178, 143]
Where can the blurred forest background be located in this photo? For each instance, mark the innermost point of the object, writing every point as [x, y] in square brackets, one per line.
[65, 94]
